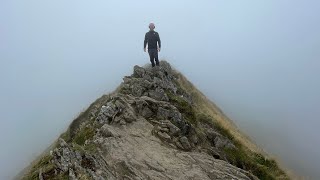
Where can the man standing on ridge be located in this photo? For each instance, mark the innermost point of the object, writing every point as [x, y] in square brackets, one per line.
[152, 38]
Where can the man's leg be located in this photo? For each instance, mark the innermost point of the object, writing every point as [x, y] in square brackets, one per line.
[151, 54]
[156, 57]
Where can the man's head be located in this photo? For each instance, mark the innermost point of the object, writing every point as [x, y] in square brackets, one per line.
[152, 26]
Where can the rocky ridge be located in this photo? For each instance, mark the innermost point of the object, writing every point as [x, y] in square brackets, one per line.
[147, 129]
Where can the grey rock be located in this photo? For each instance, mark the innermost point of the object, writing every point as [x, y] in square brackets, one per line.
[146, 84]
[211, 134]
[146, 112]
[164, 136]
[129, 116]
[40, 174]
[157, 82]
[230, 145]
[215, 153]
[122, 122]
[221, 142]
[108, 131]
[173, 130]
[178, 144]
[185, 143]
[163, 113]
[116, 119]
[158, 94]
[147, 77]
[218, 140]
[62, 143]
[127, 79]
[72, 176]
[154, 166]
[137, 90]
[78, 155]
[107, 111]
[138, 71]
[119, 105]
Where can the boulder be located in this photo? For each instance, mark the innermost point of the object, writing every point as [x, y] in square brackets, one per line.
[138, 71]
[173, 130]
[185, 143]
[129, 116]
[212, 134]
[163, 136]
[106, 113]
[137, 90]
[146, 112]
[108, 131]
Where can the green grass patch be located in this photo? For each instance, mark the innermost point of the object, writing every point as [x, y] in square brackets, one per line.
[92, 148]
[83, 134]
[184, 107]
[88, 148]
[44, 163]
[241, 159]
[203, 118]
[256, 163]
[66, 136]
[63, 176]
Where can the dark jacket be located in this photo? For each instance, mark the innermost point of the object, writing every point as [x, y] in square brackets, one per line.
[151, 38]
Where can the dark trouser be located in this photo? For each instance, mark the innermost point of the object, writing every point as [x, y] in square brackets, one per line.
[153, 53]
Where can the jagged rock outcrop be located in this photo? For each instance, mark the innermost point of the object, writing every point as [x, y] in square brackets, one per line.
[145, 130]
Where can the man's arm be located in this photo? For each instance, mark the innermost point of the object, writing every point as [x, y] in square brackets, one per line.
[159, 41]
[145, 41]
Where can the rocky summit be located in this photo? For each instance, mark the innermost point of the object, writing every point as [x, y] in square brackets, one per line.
[156, 125]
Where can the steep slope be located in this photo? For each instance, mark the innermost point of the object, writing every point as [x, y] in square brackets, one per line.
[156, 125]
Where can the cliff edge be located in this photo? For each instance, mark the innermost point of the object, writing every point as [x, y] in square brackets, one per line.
[156, 125]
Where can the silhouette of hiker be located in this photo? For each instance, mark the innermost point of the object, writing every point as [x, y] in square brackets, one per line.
[151, 38]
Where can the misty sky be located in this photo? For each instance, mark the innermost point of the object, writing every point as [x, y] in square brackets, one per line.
[258, 60]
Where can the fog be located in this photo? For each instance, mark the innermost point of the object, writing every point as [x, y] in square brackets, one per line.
[257, 60]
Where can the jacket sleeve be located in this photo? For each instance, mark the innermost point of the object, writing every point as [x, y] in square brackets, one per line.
[145, 40]
[159, 41]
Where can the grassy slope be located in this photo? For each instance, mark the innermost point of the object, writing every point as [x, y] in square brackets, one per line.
[248, 156]
[206, 106]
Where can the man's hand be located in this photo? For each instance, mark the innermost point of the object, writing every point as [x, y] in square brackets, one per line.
[145, 49]
[159, 49]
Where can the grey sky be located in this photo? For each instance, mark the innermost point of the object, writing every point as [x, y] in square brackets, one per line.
[258, 60]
